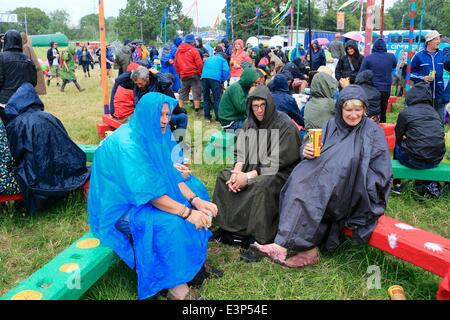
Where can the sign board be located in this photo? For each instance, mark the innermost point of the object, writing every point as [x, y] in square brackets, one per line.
[7, 17]
[340, 20]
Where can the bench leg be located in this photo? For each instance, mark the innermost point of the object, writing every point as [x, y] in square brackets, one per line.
[444, 288]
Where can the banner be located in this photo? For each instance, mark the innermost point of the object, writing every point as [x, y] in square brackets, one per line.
[7, 17]
[340, 20]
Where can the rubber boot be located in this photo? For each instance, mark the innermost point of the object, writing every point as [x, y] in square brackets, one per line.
[78, 86]
[63, 86]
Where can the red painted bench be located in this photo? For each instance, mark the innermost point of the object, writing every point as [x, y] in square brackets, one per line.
[389, 131]
[421, 248]
[108, 124]
[19, 197]
[391, 101]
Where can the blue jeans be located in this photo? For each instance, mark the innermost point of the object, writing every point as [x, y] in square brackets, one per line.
[405, 160]
[210, 85]
[180, 121]
[235, 127]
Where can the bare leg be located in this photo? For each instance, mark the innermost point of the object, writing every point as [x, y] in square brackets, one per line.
[179, 292]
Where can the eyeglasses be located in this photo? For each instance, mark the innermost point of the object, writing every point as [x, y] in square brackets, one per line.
[256, 108]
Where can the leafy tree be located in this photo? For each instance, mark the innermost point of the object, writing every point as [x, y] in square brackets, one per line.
[59, 21]
[149, 14]
[37, 21]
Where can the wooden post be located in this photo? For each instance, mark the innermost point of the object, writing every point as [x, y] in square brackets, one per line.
[382, 19]
[101, 21]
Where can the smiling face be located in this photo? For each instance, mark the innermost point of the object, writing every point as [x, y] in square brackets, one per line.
[259, 108]
[353, 112]
[350, 51]
[433, 45]
[165, 118]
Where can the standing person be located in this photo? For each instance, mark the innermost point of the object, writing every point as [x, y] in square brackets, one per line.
[349, 65]
[189, 66]
[168, 60]
[318, 58]
[85, 60]
[15, 69]
[238, 58]
[68, 69]
[109, 60]
[336, 49]
[123, 58]
[400, 73]
[215, 72]
[381, 63]
[226, 48]
[428, 66]
[53, 62]
[27, 50]
[201, 49]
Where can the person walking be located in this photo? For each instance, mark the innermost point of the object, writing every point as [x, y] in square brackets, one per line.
[68, 69]
[53, 62]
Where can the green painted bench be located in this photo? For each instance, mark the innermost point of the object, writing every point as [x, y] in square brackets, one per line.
[220, 148]
[441, 173]
[89, 150]
[69, 275]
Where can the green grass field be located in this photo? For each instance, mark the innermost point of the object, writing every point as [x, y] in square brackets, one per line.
[27, 243]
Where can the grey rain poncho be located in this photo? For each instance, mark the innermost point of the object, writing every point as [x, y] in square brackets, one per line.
[347, 186]
[254, 210]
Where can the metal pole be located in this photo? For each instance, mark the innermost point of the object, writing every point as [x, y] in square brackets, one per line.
[142, 34]
[26, 23]
[226, 18]
[310, 33]
[165, 22]
[292, 22]
[198, 20]
[101, 21]
[412, 15]
[298, 19]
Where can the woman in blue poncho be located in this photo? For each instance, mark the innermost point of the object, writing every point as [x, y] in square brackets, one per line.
[136, 192]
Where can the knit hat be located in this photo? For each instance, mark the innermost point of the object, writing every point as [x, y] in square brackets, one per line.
[190, 38]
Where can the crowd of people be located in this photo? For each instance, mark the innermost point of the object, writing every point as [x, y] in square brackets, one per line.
[280, 199]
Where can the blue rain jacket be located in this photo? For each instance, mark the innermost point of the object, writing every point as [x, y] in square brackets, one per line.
[133, 167]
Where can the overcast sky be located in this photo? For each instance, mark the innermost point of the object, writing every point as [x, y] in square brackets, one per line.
[208, 9]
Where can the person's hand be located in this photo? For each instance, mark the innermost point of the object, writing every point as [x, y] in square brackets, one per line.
[185, 172]
[252, 88]
[153, 71]
[239, 182]
[205, 207]
[308, 151]
[199, 219]
[344, 82]
[428, 79]
[170, 61]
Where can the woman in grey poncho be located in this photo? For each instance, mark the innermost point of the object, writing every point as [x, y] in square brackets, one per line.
[347, 186]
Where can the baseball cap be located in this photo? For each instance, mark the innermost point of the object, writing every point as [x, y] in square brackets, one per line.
[432, 35]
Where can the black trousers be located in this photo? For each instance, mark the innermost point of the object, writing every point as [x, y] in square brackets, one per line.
[384, 103]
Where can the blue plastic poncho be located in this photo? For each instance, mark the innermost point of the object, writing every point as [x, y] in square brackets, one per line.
[131, 168]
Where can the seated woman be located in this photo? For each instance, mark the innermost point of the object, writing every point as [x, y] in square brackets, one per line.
[247, 195]
[347, 186]
[136, 192]
[49, 164]
[321, 107]
[420, 137]
[8, 183]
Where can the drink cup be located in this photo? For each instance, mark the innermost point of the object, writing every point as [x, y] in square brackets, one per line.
[316, 140]
[397, 293]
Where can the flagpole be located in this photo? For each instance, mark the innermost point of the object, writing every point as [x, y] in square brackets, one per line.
[310, 33]
[292, 22]
[226, 18]
[413, 8]
[165, 23]
[369, 27]
[101, 20]
[298, 19]
[382, 19]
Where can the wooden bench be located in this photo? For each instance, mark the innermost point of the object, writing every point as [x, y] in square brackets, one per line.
[441, 173]
[69, 275]
[108, 124]
[421, 248]
[391, 101]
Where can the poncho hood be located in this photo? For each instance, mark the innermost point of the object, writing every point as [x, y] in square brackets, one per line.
[25, 98]
[13, 41]
[350, 93]
[419, 94]
[261, 92]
